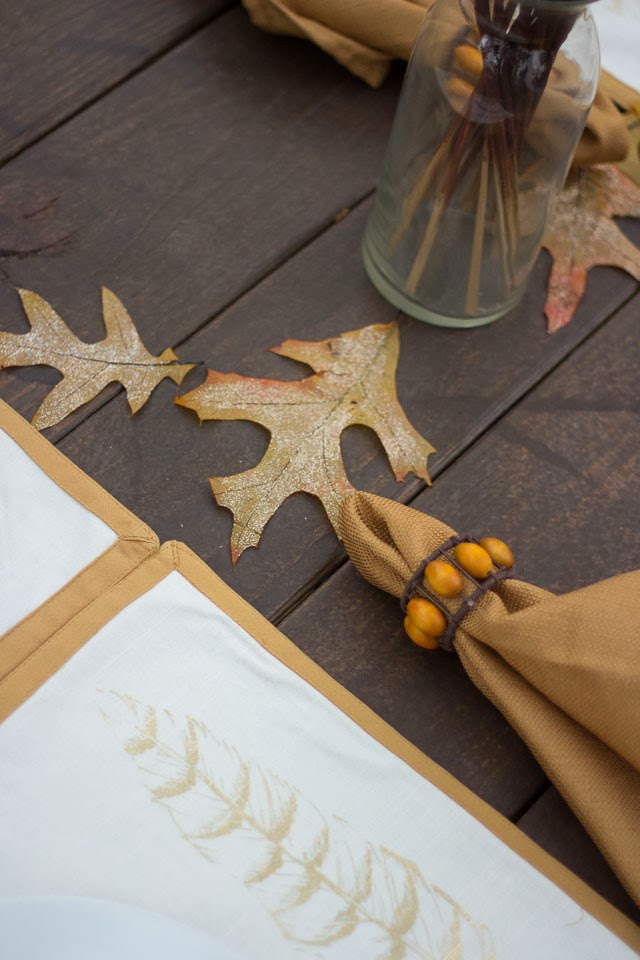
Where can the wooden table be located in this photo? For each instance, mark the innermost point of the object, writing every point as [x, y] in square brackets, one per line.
[218, 180]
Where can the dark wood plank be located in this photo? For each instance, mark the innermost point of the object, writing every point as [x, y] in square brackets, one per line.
[55, 57]
[184, 186]
[551, 824]
[558, 479]
[452, 385]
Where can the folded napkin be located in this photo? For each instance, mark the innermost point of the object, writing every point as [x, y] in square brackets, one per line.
[365, 35]
[564, 671]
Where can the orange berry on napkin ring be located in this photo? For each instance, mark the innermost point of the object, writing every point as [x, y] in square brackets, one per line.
[426, 616]
[442, 577]
[430, 623]
[419, 637]
[474, 559]
[498, 551]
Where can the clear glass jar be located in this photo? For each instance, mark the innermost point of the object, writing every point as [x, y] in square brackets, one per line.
[493, 105]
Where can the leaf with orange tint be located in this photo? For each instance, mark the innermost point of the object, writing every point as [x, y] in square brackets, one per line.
[353, 383]
[86, 368]
[582, 235]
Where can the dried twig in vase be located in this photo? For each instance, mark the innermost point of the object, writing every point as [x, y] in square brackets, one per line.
[517, 49]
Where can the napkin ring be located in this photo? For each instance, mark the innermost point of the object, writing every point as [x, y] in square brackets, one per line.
[459, 564]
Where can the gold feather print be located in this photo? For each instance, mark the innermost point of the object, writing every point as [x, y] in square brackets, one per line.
[323, 884]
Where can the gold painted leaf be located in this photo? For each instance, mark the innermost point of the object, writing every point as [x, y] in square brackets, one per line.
[353, 383]
[147, 737]
[403, 892]
[321, 882]
[188, 774]
[86, 368]
[265, 869]
[582, 234]
[340, 926]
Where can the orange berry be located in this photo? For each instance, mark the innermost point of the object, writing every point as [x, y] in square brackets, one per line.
[469, 59]
[498, 551]
[474, 559]
[426, 616]
[419, 637]
[443, 578]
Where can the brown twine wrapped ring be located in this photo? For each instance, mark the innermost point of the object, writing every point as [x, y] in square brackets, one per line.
[443, 574]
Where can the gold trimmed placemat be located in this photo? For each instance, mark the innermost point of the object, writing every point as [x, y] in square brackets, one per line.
[135, 541]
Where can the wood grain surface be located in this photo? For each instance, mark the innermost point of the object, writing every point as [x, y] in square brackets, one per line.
[57, 57]
[559, 476]
[183, 187]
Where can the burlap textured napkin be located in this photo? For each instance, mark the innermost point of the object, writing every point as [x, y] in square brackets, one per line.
[564, 670]
[365, 35]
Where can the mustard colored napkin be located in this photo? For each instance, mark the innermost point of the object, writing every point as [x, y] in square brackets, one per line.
[365, 35]
[564, 671]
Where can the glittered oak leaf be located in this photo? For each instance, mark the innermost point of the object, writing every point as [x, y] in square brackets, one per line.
[353, 383]
[86, 368]
[582, 235]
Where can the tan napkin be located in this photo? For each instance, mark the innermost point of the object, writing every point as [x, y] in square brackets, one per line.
[365, 35]
[564, 671]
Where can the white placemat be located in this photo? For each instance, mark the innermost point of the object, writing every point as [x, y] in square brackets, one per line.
[46, 537]
[174, 764]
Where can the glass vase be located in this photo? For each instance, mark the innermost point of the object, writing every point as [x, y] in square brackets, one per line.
[493, 105]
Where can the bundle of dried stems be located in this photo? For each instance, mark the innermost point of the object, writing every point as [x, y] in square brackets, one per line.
[518, 46]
